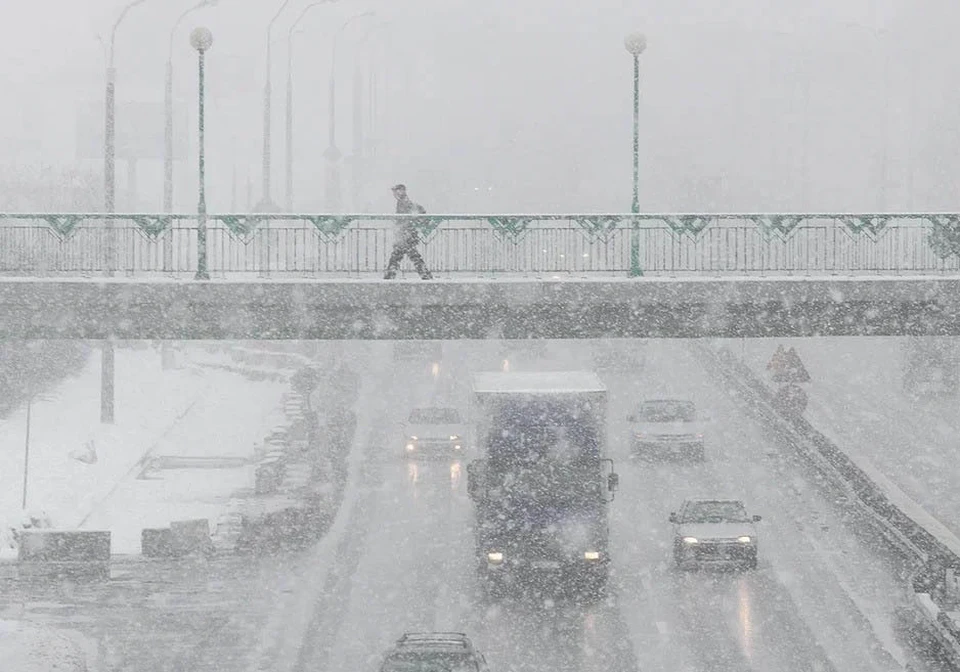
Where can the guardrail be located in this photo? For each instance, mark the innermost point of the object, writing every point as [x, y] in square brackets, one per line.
[903, 523]
[359, 244]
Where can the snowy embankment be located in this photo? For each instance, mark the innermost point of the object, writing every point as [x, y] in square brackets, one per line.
[857, 399]
[85, 474]
[28, 647]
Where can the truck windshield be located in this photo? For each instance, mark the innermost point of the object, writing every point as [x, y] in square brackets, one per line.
[429, 661]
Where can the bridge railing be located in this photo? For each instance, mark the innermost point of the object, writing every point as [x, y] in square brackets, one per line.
[536, 244]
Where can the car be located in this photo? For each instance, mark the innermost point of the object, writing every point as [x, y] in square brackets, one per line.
[434, 432]
[667, 428]
[714, 531]
[434, 652]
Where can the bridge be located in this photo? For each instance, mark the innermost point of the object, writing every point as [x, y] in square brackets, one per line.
[301, 276]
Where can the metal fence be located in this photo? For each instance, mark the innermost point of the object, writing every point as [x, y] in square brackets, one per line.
[536, 245]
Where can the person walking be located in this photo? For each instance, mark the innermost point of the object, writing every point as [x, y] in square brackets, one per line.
[407, 238]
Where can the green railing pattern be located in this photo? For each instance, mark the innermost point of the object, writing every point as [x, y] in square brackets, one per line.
[49, 244]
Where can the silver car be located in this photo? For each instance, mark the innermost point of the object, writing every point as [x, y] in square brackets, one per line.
[714, 531]
[434, 432]
[667, 428]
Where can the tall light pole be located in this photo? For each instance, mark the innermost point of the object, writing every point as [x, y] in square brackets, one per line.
[109, 206]
[635, 44]
[201, 39]
[358, 159]
[168, 109]
[332, 153]
[266, 203]
[289, 120]
[109, 148]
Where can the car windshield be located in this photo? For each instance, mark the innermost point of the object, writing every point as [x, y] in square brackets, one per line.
[429, 661]
[435, 416]
[668, 411]
[715, 512]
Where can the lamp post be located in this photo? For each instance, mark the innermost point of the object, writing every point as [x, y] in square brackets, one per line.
[201, 39]
[26, 453]
[109, 147]
[635, 44]
[109, 206]
[332, 153]
[168, 109]
[289, 115]
[266, 203]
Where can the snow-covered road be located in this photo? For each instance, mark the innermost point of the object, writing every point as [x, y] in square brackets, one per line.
[820, 600]
[399, 557]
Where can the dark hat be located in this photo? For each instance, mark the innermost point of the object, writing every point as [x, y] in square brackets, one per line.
[398, 187]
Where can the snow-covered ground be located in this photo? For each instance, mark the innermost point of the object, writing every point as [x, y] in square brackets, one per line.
[856, 397]
[26, 647]
[186, 411]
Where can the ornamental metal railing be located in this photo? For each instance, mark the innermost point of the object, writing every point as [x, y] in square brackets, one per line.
[304, 245]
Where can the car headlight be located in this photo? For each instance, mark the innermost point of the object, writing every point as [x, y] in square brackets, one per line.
[591, 555]
[744, 539]
[454, 437]
[495, 557]
[690, 540]
[410, 446]
[413, 438]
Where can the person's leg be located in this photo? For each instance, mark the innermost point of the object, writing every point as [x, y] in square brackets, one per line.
[396, 256]
[418, 263]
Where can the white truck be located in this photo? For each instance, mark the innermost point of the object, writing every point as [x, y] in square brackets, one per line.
[542, 484]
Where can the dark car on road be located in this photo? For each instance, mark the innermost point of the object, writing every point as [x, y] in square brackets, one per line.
[714, 531]
[434, 652]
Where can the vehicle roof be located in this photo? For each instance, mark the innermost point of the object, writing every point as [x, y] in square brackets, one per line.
[434, 408]
[434, 640]
[538, 382]
[711, 500]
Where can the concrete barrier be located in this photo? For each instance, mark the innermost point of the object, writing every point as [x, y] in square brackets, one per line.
[268, 476]
[182, 538]
[156, 543]
[59, 553]
[191, 537]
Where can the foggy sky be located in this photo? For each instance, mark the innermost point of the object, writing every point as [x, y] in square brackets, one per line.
[518, 105]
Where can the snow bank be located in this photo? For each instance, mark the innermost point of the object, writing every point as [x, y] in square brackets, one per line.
[84, 474]
[29, 647]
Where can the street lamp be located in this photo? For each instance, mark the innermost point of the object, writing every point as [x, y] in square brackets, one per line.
[201, 39]
[333, 154]
[168, 109]
[635, 43]
[109, 148]
[289, 120]
[266, 204]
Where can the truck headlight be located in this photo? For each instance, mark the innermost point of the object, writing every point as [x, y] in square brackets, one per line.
[690, 540]
[410, 446]
[496, 557]
[413, 438]
[591, 555]
[454, 437]
[744, 539]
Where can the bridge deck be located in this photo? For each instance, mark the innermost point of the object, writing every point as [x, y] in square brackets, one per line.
[471, 308]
